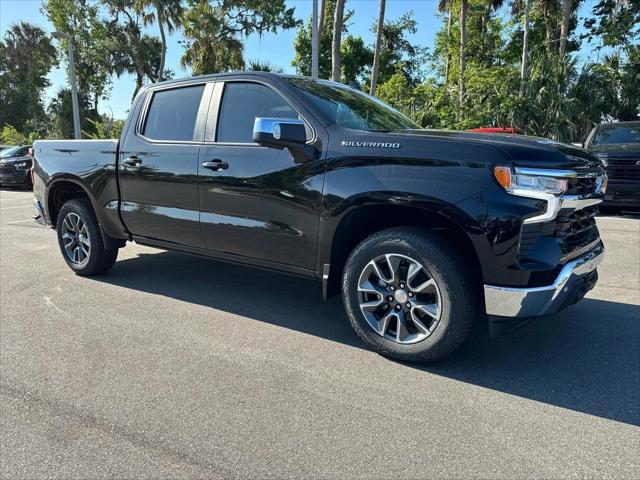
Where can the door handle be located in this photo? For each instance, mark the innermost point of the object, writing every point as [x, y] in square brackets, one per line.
[215, 165]
[132, 161]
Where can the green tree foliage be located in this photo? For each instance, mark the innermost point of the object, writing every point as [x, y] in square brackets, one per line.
[557, 97]
[398, 54]
[131, 51]
[302, 43]
[166, 13]
[261, 66]
[356, 57]
[61, 115]
[214, 31]
[10, 136]
[26, 57]
[614, 22]
[211, 45]
[105, 127]
[81, 20]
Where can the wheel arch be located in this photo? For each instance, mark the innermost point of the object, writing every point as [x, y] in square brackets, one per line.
[64, 188]
[365, 220]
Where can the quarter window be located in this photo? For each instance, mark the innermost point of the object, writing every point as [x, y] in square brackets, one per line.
[242, 102]
[172, 114]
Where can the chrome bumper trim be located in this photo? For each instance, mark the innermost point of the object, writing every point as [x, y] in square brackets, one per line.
[539, 301]
[555, 203]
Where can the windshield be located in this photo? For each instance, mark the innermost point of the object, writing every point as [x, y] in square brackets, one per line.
[350, 108]
[617, 134]
[10, 152]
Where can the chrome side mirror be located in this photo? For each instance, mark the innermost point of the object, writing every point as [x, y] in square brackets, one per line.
[279, 132]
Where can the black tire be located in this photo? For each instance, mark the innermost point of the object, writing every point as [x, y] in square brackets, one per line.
[99, 258]
[459, 294]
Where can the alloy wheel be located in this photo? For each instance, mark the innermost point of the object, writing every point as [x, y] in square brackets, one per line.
[399, 298]
[75, 237]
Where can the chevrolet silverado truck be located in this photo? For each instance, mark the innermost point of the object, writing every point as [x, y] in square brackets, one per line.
[421, 232]
[618, 146]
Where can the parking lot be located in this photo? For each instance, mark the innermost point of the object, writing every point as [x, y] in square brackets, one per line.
[176, 366]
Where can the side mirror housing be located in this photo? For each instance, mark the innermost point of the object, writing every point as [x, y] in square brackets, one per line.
[279, 132]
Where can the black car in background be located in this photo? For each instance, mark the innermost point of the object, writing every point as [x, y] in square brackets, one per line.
[15, 166]
[618, 146]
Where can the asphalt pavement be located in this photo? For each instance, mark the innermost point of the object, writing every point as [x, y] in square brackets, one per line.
[173, 366]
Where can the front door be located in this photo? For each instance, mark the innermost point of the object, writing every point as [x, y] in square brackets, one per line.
[158, 169]
[255, 201]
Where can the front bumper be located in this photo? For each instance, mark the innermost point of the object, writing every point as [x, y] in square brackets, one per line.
[14, 176]
[574, 280]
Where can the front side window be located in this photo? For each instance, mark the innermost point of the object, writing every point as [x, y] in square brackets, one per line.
[242, 102]
[351, 108]
[172, 114]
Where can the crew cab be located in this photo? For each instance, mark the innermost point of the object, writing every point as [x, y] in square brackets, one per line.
[618, 146]
[421, 232]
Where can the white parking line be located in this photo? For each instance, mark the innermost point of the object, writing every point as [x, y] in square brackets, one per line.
[19, 221]
[17, 206]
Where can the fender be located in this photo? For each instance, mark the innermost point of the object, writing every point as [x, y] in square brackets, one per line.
[107, 215]
[357, 217]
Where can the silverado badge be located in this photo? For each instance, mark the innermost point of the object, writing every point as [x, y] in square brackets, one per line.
[370, 144]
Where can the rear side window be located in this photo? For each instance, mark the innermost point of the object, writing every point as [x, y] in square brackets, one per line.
[242, 102]
[172, 114]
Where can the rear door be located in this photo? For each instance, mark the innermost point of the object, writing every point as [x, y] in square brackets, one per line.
[260, 203]
[158, 166]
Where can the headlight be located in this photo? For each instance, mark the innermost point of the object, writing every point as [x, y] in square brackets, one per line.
[521, 183]
[22, 164]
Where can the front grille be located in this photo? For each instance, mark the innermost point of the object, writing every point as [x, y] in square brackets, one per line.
[623, 168]
[572, 229]
[582, 185]
[7, 169]
[576, 228]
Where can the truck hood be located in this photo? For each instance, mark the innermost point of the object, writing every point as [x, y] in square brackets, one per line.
[617, 150]
[524, 151]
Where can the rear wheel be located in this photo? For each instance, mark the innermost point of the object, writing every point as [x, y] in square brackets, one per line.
[80, 240]
[408, 295]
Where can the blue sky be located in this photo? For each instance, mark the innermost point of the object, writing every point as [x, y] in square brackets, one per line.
[275, 48]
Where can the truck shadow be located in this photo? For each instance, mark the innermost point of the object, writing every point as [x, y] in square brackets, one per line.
[586, 358]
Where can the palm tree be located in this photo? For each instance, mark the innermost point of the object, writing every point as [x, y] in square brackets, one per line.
[447, 6]
[376, 53]
[323, 8]
[27, 56]
[262, 66]
[211, 45]
[564, 29]
[548, 24]
[338, 24]
[464, 7]
[489, 5]
[524, 6]
[167, 13]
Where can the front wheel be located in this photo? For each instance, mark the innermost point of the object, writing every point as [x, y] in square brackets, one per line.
[408, 295]
[80, 240]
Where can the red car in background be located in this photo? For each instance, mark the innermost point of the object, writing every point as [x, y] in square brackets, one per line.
[514, 131]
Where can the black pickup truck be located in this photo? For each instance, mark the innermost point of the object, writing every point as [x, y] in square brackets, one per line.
[422, 232]
[618, 146]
